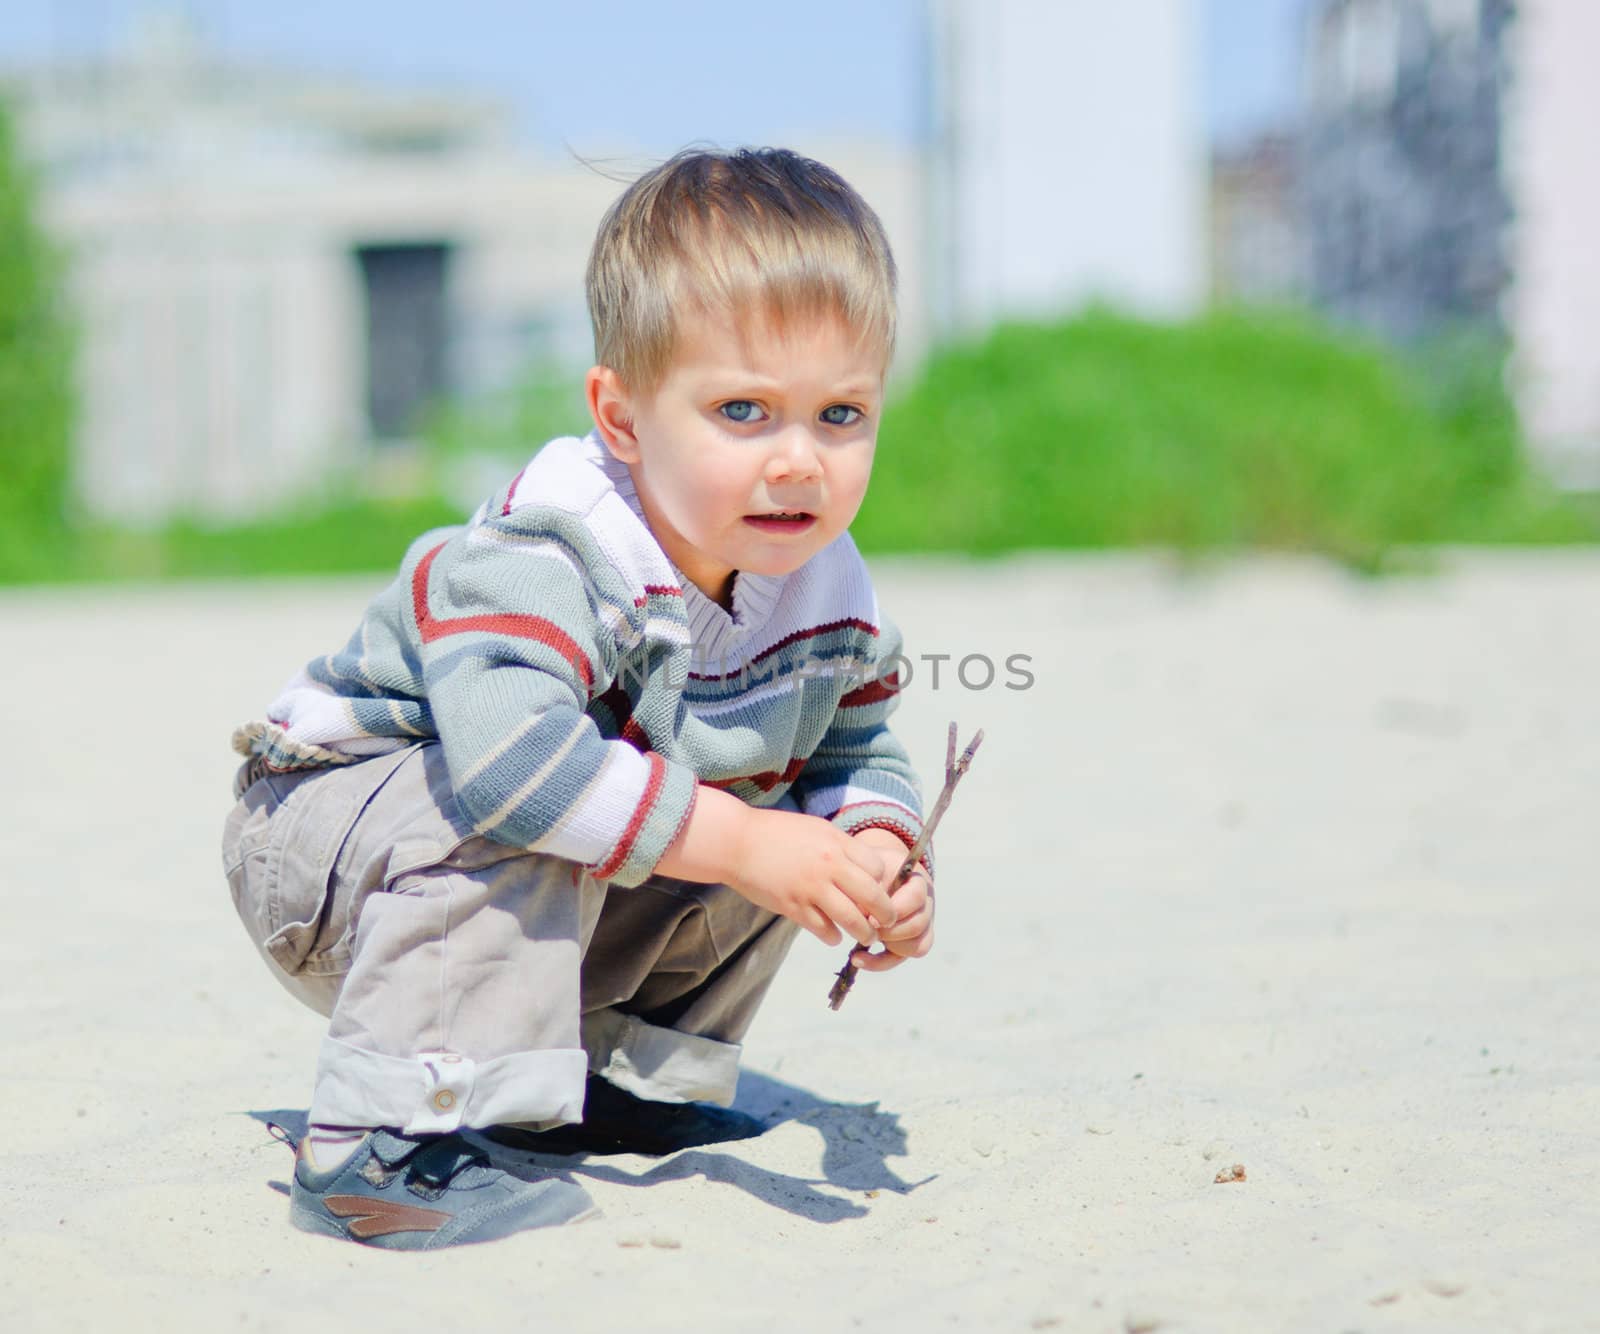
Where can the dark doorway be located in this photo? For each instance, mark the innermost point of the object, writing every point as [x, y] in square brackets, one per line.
[407, 327]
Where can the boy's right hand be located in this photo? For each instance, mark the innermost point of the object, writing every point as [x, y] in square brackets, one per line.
[805, 869]
[798, 866]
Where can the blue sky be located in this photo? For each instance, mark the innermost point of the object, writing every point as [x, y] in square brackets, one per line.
[650, 76]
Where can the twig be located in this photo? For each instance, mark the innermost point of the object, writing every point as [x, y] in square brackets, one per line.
[953, 770]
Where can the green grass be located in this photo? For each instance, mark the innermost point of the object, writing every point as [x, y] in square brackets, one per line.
[360, 537]
[1233, 432]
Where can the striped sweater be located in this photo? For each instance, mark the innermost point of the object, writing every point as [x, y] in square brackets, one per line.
[581, 688]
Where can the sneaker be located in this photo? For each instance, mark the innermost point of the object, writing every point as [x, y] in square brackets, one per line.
[615, 1121]
[422, 1192]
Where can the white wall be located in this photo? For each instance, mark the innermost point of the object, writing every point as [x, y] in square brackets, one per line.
[223, 324]
[211, 217]
[221, 342]
[1552, 156]
[1070, 157]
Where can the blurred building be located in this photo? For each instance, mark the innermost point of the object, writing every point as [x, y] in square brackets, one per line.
[276, 273]
[1068, 158]
[1452, 181]
[1405, 200]
[1551, 111]
[1258, 251]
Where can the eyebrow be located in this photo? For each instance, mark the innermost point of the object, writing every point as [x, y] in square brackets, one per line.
[755, 381]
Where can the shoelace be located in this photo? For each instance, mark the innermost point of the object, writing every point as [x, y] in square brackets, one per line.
[423, 1178]
[282, 1135]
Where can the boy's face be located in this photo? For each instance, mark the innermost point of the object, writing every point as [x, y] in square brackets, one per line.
[748, 425]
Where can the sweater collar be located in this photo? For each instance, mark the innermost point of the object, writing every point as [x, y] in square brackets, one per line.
[712, 629]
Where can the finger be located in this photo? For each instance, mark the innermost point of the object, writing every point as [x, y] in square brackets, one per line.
[817, 923]
[910, 897]
[869, 962]
[867, 895]
[848, 917]
[874, 861]
[911, 949]
[920, 877]
[909, 928]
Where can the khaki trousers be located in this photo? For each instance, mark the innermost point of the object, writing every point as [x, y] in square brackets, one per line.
[469, 983]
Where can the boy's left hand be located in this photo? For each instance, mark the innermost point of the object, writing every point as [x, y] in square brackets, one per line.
[911, 936]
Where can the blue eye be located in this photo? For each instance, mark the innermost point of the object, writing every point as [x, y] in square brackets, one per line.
[840, 414]
[740, 410]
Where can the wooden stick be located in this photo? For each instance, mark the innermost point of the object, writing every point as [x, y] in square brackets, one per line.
[953, 771]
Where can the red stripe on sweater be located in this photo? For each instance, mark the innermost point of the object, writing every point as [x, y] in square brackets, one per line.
[904, 835]
[900, 829]
[876, 801]
[766, 780]
[658, 591]
[849, 623]
[630, 835]
[874, 692]
[511, 491]
[536, 628]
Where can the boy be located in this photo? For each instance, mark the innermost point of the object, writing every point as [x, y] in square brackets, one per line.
[538, 838]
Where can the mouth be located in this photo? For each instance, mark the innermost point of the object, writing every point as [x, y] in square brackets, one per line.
[781, 521]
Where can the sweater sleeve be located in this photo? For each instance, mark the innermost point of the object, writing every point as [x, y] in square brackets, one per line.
[860, 776]
[508, 686]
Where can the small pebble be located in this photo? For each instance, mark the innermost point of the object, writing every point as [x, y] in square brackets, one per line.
[665, 1243]
[1142, 1323]
[1444, 1287]
[1098, 1130]
[1234, 1173]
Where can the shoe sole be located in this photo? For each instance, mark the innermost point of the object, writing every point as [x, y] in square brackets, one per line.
[320, 1225]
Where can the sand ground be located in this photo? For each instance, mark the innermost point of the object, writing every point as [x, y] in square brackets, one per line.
[1270, 866]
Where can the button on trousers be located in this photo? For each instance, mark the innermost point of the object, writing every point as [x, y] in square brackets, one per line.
[471, 983]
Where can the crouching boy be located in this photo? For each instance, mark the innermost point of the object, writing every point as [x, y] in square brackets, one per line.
[537, 838]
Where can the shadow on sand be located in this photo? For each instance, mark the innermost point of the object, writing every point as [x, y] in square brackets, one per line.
[857, 1142]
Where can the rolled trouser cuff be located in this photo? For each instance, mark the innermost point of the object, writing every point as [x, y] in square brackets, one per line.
[657, 1063]
[437, 1092]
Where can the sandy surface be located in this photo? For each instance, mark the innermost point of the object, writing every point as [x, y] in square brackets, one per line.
[1271, 866]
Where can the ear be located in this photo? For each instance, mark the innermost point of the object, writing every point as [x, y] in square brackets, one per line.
[612, 411]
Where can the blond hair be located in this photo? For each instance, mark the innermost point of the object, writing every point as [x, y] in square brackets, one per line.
[760, 231]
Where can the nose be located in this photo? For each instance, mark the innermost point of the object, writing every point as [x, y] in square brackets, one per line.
[794, 457]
